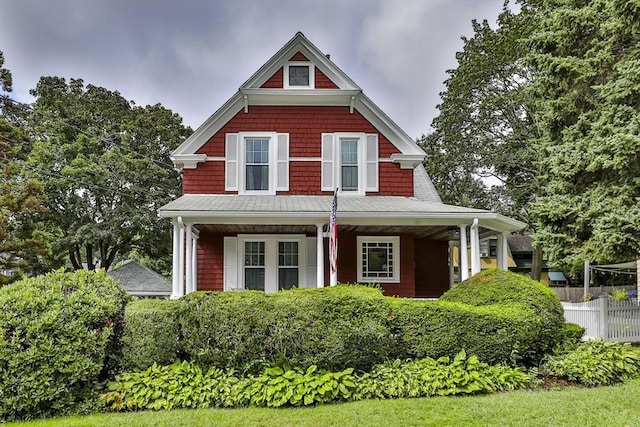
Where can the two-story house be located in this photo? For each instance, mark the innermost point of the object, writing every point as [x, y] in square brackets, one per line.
[259, 177]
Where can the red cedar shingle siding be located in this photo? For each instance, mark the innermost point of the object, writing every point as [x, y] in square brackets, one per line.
[322, 81]
[276, 81]
[304, 126]
[298, 57]
[210, 261]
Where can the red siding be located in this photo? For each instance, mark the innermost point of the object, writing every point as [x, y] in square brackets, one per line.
[210, 261]
[304, 126]
[276, 81]
[322, 81]
[298, 57]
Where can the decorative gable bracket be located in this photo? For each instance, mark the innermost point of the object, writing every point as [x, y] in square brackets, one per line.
[407, 161]
[188, 161]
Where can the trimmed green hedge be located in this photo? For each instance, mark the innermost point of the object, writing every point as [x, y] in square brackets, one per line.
[499, 287]
[333, 328]
[496, 334]
[58, 340]
[151, 334]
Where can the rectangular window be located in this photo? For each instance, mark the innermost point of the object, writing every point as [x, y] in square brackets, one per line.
[378, 259]
[257, 164]
[254, 265]
[287, 265]
[299, 75]
[349, 164]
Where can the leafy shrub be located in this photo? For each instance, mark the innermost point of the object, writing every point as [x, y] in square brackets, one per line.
[572, 334]
[499, 287]
[180, 385]
[151, 334]
[595, 363]
[297, 387]
[332, 328]
[496, 334]
[58, 339]
[439, 377]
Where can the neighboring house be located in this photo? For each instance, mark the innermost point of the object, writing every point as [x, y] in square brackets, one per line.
[141, 281]
[259, 177]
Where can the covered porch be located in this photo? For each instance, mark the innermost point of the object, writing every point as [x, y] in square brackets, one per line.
[216, 236]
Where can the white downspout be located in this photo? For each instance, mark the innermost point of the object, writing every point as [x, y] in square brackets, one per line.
[175, 289]
[180, 257]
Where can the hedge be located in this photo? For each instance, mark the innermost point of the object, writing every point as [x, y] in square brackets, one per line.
[496, 334]
[333, 328]
[58, 340]
[151, 334]
[491, 287]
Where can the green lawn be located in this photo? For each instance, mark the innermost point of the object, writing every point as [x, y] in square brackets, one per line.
[610, 406]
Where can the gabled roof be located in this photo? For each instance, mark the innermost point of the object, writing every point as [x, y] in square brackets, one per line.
[252, 93]
[140, 280]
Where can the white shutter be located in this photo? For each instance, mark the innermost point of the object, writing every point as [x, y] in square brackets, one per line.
[312, 261]
[231, 263]
[232, 146]
[371, 163]
[328, 161]
[282, 158]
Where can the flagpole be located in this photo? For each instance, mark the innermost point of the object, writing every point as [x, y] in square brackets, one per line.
[333, 241]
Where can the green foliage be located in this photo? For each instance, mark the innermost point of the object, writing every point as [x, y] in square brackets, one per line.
[486, 124]
[298, 387]
[619, 294]
[572, 333]
[251, 330]
[180, 385]
[439, 377]
[103, 163]
[58, 340]
[496, 334]
[586, 54]
[491, 287]
[595, 363]
[151, 334]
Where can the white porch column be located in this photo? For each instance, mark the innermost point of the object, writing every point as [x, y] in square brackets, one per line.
[505, 251]
[189, 258]
[181, 257]
[464, 263]
[452, 245]
[319, 256]
[195, 234]
[175, 289]
[475, 247]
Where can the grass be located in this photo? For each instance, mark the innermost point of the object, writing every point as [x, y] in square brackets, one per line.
[611, 406]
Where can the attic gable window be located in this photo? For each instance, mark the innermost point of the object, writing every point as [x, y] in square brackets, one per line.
[299, 75]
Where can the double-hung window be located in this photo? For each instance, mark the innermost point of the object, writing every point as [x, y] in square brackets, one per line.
[257, 162]
[379, 259]
[288, 269]
[350, 162]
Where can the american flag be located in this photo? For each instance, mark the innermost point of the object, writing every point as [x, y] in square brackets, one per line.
[333, 235]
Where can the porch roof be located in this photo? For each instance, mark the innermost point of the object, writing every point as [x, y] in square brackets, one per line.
[353, 210]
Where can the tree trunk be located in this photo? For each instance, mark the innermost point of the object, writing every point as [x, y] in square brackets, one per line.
[74, 257]
[536, 263]
[91, 266]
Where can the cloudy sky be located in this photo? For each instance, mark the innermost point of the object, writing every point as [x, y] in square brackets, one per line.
[192, 55]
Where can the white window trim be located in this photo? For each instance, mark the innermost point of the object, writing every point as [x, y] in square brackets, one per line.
[312, 83]
[271, 258]
[337, 170]
[273, 146]
[395, 241]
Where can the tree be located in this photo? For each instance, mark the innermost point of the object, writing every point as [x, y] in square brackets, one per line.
[104, 163]
[588, 55]
[22, 245]
[486, 128]
[486, 120]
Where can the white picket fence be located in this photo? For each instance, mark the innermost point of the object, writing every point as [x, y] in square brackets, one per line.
[607, 319]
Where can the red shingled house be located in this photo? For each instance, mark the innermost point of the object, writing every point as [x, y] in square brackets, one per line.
[259, 177]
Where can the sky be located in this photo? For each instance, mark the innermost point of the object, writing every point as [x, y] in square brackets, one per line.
[193, 55]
